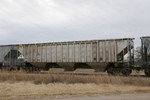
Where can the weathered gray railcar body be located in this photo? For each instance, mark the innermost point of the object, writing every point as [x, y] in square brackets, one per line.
[97, 54]
[145, 46]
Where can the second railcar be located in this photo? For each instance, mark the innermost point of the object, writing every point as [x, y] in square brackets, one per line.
[145, 50]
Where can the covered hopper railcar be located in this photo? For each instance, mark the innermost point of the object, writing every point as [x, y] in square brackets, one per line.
[145, 48]
[111, 55]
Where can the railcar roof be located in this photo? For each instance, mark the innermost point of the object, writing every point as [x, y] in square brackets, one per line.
[145, 37]
[80, 41]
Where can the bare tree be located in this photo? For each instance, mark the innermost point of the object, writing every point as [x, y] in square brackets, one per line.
[137, 58]
[137, 54]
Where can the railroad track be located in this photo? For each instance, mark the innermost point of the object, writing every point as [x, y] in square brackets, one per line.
[134, 74]
[85, 73]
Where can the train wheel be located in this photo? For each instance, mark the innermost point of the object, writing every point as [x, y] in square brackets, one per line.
[29, 69]
[113, 71]
[147, 72]
[12, 69]
[126, 71]
[110, 71]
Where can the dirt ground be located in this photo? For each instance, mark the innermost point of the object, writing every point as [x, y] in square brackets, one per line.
[135, 96]
[115, 97]
[30, 91]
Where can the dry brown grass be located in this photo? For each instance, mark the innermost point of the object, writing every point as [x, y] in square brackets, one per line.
[19, 86]
[72, 79]
[24, 90]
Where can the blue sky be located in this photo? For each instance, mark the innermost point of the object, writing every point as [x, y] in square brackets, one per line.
[30, 21]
